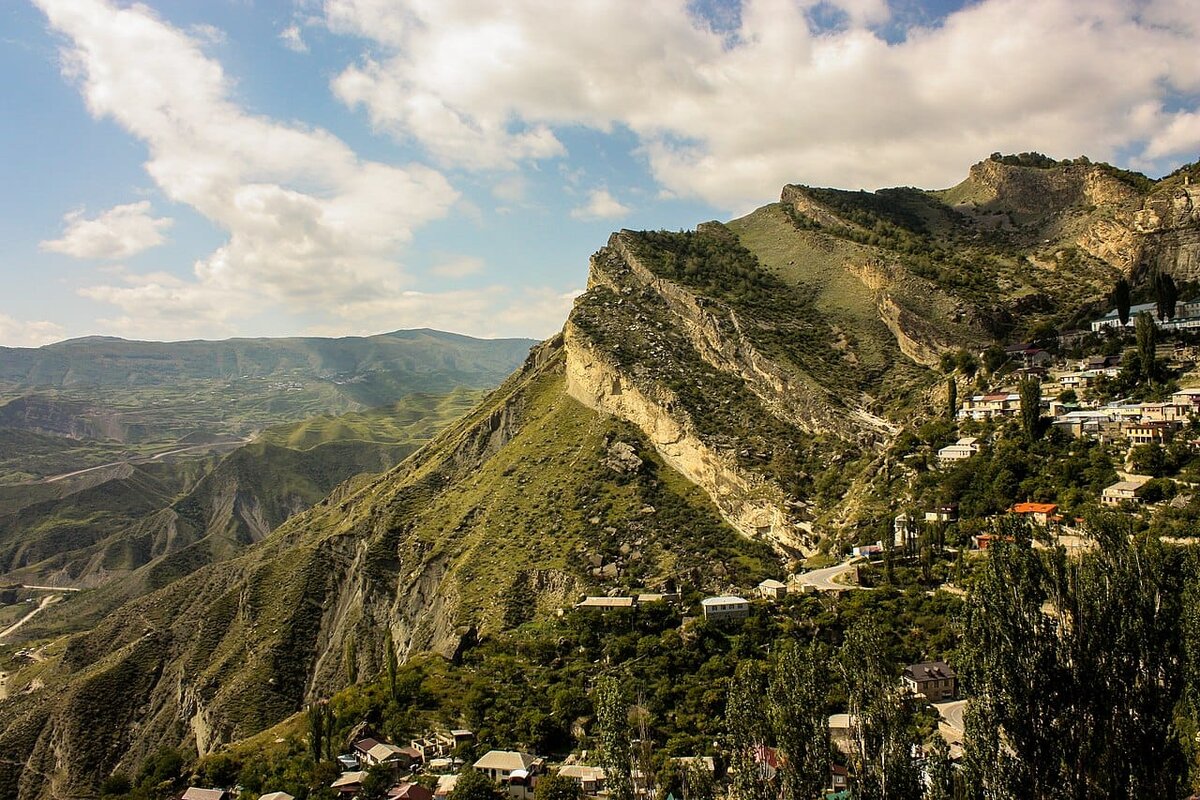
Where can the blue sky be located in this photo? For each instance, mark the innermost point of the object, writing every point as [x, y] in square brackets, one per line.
[177, 169]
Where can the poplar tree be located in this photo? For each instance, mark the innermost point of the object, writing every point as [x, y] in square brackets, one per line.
[1030, 391]
[1146, 334]
[951, 397]
[1120, 298]
[612, 729]
[745, 723]
[796, 709]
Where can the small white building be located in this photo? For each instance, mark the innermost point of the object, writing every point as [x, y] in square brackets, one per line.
[727, 607]
[1128, 491]
[963, 448]
[517, 772]
[771, 589]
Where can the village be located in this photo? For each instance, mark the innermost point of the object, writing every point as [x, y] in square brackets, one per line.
[432, 765]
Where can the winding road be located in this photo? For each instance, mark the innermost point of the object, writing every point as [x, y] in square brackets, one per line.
[16, 626]
[826, 580]
[148, 459]
[952, 713]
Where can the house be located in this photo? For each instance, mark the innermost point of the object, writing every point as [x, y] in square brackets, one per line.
[1040, 513]
[907, 532]
[840, 734]
[1153, 432]
[361, 748]
[196, 793]
[409, 791]
[771, 589]
[867, 550]
[606, 603]
[516, 772]
[590, 779]
[348, 761]
[963, 448]
[725, 608]
[349, 783]
[1186, 402]
[461, 735]
[987, 406]
[1127, 491]
[276, 796]
[933, 679]
[384, 754]
[945, 513]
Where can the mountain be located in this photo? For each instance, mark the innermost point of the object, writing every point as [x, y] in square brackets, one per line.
[148, 523]
[718, 402]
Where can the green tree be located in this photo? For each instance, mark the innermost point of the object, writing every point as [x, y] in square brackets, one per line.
[939, 771]
[389, 656]
[951, 397]
[796, 710]
[994, 358]
[1166, 295]
[1030, 391]
[747, 727]
[883, 719]
[474, 785]
[375, 786]
[1120, 299]
[317, 729]
[696, 782]
[557, 787]
[1074, 669]
[1146, 335]
[612, 737]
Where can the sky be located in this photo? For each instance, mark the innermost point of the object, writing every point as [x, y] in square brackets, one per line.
[178, 169]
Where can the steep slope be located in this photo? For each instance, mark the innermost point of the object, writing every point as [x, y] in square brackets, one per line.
[507, 514]
[718, 400]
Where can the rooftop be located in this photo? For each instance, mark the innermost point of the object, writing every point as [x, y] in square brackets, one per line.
[505, 760]
[929, 671]
[724, 600]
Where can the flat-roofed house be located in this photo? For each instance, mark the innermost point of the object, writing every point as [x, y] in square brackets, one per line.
[962, 449]
[196, 793]
[727, 607]
[771, 589]
[1127, 491]
[606, 603]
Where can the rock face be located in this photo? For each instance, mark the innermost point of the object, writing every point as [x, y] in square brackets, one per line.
[1169, 225]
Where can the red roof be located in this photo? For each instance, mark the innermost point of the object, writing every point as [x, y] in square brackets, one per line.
[1034, 508]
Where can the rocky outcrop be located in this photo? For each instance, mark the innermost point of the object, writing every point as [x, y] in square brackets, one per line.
[748, 502]
[1169, 225]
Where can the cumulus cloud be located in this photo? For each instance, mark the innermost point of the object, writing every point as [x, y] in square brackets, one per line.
[600, 205]
[292, 39]
[121, 232]
[310, 225]
[730, 114]
[20, 333]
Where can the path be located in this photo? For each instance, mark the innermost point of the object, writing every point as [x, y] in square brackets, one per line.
[145, 459]
[50, 588]
[825, 580]
[952, 713]
[16, 626]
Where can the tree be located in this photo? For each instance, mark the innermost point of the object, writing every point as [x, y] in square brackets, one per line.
[745, 723]
[317, 729]
[696, 782]
[1146, 334]
[474, 785]
[939, 771]
[796, 709]
[1120, 299]
[557, 787]
[994, 358]
[951, 397]
[882, 718]
[1165, 295]
[1030, 390]
[612, 734]
[1074, 669]
[379, 779]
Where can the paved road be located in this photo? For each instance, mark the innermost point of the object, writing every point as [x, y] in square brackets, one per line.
[49, 588]
[952, 713]
[825, 580]
[16, 626]
[145, 459]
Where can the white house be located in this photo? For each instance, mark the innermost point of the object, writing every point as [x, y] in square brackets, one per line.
[727, 607]
[1124, 491]
[771, 589]
[963, 448]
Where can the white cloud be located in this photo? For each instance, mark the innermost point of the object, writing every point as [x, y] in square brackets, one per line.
[20, 333]
[293, 40]
[310, 225]
[458, 267]
[121, 232]
[600, 205]
[729, 116]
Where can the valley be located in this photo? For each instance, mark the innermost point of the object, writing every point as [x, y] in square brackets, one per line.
[770, 473]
